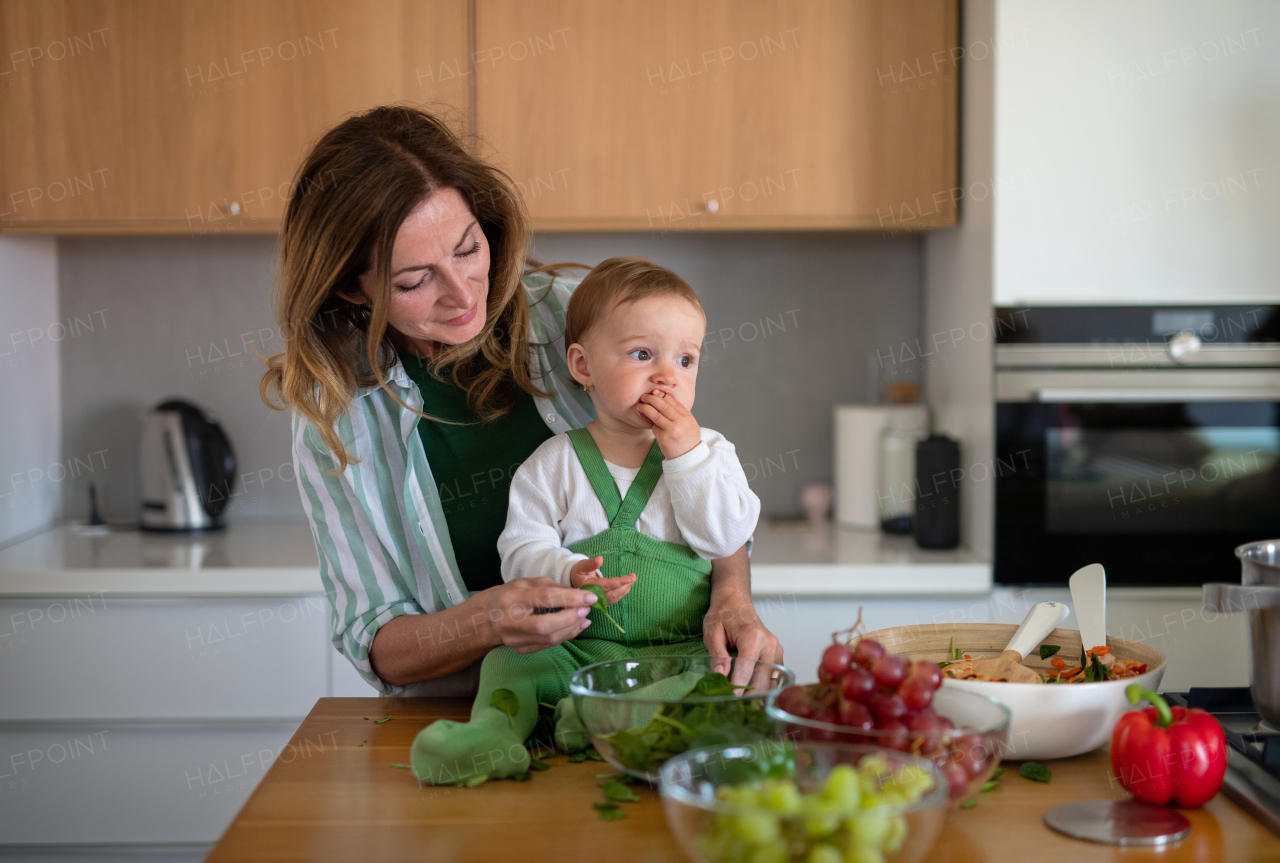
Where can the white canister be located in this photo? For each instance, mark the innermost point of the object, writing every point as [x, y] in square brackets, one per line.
[857, 457]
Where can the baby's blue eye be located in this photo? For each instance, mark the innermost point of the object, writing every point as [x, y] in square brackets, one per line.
[639, 354]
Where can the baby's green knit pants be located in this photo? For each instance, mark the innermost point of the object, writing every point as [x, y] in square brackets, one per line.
[662, 615]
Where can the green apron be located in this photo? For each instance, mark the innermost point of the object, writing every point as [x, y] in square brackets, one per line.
[662, 614]
[672, 590]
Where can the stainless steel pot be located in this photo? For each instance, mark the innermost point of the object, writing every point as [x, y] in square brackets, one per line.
[1259, 596]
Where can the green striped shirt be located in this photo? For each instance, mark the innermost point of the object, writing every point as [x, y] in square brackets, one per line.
[379, 526]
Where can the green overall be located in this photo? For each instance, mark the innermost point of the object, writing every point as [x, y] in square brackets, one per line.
[662, 615]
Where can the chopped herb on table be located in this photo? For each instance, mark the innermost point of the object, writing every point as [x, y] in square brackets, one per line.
[619, 793]
[380, 721]
[399, 766]
[1034, 771]
[607, 811]
[970, 803]
[615, 793]
[990, 786]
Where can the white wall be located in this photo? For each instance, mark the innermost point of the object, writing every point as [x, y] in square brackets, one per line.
[30, 413]
[957, 291]
[1139, 146]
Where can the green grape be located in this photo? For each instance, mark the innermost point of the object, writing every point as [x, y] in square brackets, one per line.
[782, 796]
[896, 835]
[819, 818]
[757, 826]
[843, 788]
[817, 824]
[823, 853]
[869, 831]
[774, 852]
[863, 854]
[906, 785]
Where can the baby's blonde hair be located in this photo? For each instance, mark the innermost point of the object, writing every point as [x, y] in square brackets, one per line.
[616, 281]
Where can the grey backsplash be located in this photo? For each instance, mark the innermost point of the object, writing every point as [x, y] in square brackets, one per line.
[791, 321]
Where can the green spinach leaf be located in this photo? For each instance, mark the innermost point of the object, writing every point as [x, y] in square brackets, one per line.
[602, 603]
[506, 701]
[1047, 650]
[1034, 771]
[619, 793]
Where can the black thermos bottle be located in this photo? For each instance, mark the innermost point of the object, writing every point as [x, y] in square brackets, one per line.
[937, 519]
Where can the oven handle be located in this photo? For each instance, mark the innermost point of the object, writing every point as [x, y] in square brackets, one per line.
[1088, 395]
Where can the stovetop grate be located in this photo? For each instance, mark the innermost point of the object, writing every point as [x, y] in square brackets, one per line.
[1253, 749]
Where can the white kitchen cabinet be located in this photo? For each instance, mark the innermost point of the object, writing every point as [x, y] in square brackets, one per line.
[1134, 154]
[102, 783]
[99, 657]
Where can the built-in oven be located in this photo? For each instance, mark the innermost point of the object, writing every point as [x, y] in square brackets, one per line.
[1145, 439]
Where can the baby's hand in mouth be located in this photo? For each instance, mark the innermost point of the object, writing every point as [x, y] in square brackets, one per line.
[674, 427]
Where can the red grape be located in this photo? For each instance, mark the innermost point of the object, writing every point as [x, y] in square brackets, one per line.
[897, 736]
[856, 715]
[867, 651]
[929, 671]
[795, 700]
[969, 752]
[957, 779]
[858, 684]
[889, 671]
[927, 727]
[826, 714]
[888, 708]
[916, 693]
[836, 660]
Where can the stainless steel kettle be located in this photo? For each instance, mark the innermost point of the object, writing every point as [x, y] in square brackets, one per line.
[188, 469]
[1259, 595]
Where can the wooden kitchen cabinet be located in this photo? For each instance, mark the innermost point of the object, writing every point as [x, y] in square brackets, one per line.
[722, 114]
[189, 115]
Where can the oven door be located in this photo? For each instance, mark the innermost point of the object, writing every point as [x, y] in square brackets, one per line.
[1156, 478]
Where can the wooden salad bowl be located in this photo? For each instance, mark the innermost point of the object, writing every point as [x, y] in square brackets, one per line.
[1056, 720]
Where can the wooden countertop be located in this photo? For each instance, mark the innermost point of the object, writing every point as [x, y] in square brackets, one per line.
[332, 795]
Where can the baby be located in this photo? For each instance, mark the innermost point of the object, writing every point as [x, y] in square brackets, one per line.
[639, 502]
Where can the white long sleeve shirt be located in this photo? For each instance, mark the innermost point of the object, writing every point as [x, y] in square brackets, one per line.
[701, 500]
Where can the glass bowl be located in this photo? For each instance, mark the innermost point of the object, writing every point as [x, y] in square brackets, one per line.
[637, 716]
[712, 829]
[967, 755]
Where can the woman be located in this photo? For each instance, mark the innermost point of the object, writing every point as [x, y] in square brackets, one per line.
[422, 369]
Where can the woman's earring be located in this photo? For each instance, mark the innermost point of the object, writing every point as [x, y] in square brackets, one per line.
[586, 388]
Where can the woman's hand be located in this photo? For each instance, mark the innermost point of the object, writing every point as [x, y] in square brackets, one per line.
[520, 628]
[584, 572]
[732, 623]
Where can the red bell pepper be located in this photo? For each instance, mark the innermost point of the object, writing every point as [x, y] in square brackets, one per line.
[1161, 754]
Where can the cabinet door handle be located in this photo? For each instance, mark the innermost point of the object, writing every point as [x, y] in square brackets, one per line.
[712, 206]
[234, 208]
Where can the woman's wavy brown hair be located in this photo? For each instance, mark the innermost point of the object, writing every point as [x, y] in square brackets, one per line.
[353, 191]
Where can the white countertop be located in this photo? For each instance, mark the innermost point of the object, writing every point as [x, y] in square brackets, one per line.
[242, 560]
[830, 561]
[280, 560]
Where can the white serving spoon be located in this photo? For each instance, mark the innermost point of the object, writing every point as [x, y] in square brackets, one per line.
[1041, 619]
[1089, 596]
